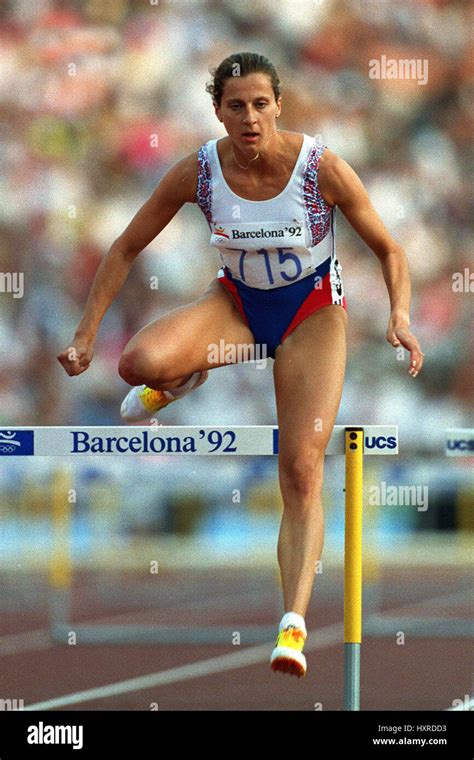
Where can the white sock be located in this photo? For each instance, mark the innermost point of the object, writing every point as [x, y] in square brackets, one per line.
[292, 618]
[188, 385]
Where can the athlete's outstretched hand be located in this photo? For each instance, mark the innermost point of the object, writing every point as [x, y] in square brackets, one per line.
[77, 356]
[398, 334]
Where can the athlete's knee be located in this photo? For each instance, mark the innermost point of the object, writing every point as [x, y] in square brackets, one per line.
[129, 367]
[137, 367]
[301, 474]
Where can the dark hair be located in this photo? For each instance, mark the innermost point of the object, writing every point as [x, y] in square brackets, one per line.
[241, 64]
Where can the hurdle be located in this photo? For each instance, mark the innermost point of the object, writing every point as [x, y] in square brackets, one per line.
[353, 442]
[459, 442]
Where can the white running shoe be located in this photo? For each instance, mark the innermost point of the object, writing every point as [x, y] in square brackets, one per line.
[287, 656]
[142, 402]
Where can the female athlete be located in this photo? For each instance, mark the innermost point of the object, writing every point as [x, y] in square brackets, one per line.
[269, 197]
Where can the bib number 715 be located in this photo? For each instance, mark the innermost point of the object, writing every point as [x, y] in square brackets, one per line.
[285, 254]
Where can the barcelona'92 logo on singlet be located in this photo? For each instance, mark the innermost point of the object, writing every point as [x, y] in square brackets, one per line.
[259, 231]
[220, 232]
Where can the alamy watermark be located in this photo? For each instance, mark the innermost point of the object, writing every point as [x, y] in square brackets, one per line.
[7, 705]
[463, 282]
[12, 282]
[42, 733]
[233, 353]
[399, 68]
[399, 496]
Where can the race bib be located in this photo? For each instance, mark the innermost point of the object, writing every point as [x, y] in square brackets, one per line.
[264, 254]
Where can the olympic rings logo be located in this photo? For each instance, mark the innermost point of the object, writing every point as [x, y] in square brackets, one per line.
[7, 448]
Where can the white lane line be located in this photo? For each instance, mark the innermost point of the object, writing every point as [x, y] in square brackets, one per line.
[325, 637]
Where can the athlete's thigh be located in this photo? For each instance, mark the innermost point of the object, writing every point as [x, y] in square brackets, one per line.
[184, 339]
[309, 372]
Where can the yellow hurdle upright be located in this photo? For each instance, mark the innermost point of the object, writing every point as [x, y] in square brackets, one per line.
[354, 457]
[60, 568]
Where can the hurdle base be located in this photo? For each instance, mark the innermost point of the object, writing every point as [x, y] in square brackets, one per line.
[169, 635]
[381, 626]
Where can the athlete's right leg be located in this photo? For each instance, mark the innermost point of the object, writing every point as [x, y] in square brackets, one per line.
[165, 353]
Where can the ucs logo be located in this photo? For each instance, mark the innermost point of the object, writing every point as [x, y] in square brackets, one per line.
[461, 444]
[380, 442]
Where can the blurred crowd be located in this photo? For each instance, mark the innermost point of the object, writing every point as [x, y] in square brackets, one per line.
[98, 99]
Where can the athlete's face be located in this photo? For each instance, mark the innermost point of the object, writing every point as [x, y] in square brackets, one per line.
[248, 110]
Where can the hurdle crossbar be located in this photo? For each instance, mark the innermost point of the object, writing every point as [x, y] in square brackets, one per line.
[354, 442]
[230, 440]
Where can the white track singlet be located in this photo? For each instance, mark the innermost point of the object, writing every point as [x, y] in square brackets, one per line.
[275, 242]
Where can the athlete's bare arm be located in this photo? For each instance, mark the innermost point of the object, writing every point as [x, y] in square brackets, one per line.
[340, 186]
[176, 188]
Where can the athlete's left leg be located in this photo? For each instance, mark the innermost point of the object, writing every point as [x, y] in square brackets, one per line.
[309, 373]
